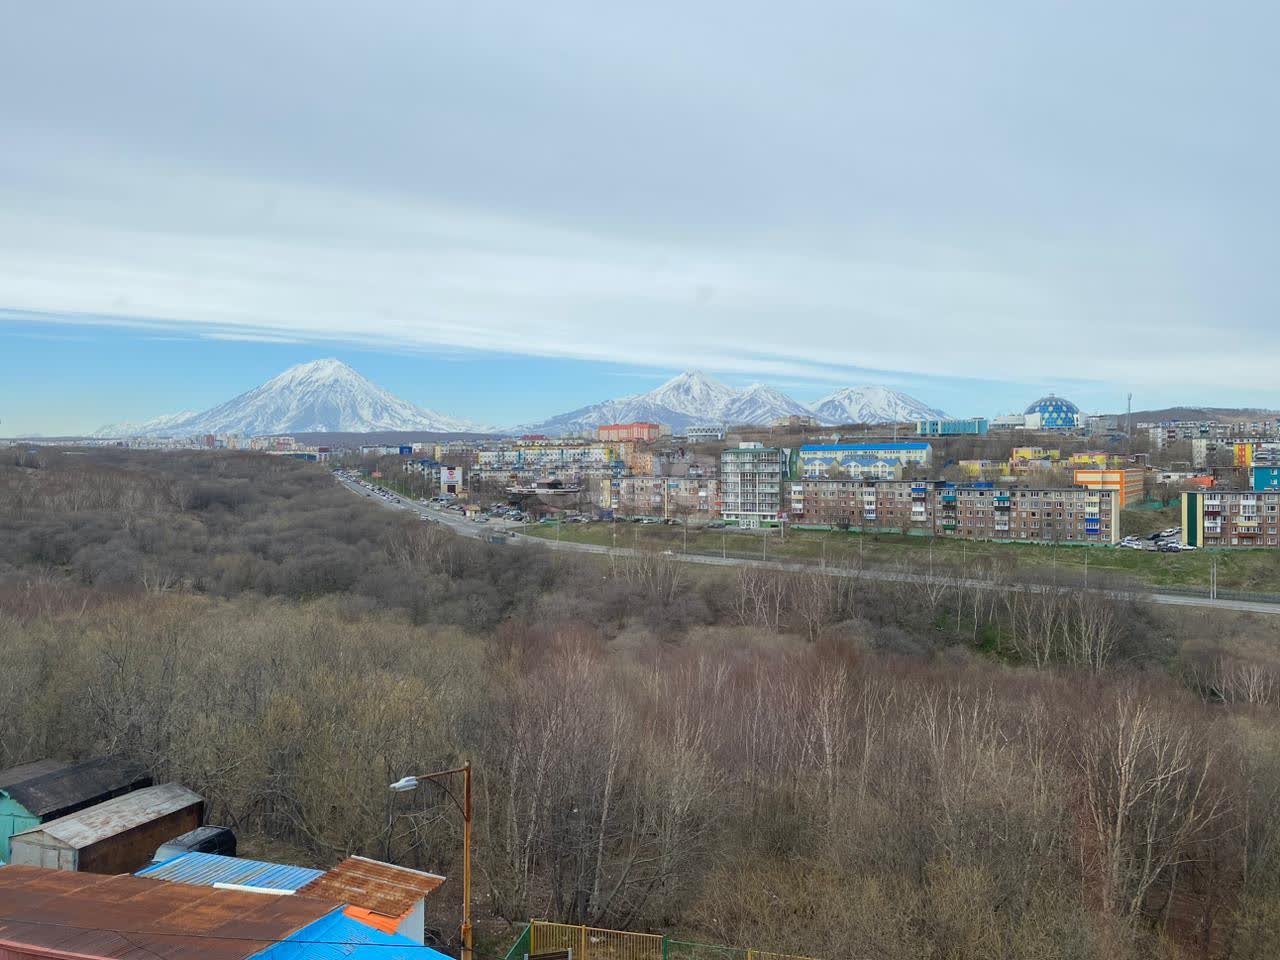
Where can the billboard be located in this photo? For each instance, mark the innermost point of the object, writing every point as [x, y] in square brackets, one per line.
[451, 480]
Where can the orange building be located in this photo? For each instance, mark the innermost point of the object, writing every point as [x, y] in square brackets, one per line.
[1127, 482]
[614, 432]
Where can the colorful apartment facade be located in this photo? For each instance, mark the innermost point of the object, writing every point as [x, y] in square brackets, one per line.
[619, 432]
[1128, 482]
[1231, 518]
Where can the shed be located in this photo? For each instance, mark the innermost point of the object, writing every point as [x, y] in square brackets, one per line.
[212, 869]
[48, 789]
[382, 895]
[117, 836]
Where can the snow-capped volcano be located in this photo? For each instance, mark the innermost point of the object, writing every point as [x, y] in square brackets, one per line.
[872, 405]
[694, 398]
[325, 396]
[760, 404]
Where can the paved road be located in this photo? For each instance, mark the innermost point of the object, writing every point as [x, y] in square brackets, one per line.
[469, 528]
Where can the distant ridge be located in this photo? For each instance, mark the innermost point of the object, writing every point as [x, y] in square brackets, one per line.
[1202, 413]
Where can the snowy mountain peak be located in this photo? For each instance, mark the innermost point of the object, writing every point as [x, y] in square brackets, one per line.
[324, 396]
[694, 398]
[872, 404]
[692, 392]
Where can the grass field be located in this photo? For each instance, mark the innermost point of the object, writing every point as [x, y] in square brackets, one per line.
[1256, 571]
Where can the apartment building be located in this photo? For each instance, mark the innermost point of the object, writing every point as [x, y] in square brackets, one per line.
[1127, 482]
[618, 432]
[1264, 478]
[703, 434]
[1059, 515]
[751, 479]
[695, 497]
[548, 460]
[1231, 518]
[979, 511]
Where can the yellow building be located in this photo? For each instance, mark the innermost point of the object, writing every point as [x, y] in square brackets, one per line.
[1033, 453]
[1096, 460]
[1244, 454]
[1127, 482]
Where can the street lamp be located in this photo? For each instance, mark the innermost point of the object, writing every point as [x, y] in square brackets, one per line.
[406, 784]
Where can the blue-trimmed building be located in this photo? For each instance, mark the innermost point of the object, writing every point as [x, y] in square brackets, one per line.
[817, 459]
[973, 427]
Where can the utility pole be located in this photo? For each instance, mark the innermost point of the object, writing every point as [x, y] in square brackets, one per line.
[405, 784]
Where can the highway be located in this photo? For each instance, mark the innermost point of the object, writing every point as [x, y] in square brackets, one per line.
[481, 531]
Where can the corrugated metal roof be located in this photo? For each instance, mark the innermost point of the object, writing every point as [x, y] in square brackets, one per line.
[133, 918]
[206, 869]
[60, 792]
[338, 937]
[28, 771]
[381, 887]
[80, 830]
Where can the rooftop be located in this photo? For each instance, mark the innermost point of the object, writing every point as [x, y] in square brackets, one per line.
[133, 918]
[209, 869]
[28, 771]
[106, 819]
[381, 887]
[70, 788]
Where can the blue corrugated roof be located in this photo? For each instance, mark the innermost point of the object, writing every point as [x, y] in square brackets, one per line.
[207, 869]
[336, 936]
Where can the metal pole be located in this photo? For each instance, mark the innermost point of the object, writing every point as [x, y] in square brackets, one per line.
[466, 861]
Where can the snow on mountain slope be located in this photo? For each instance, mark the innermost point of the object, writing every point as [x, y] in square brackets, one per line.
[871, 405]
[760, 404]
[694, 398]
[326, 396]
[154, 427]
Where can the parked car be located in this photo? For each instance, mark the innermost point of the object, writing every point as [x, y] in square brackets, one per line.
[210, 839]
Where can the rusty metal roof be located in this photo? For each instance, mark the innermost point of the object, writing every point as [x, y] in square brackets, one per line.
[133, 918]
[58, 792]
[380, 887]
[28, 771]
[106, 819]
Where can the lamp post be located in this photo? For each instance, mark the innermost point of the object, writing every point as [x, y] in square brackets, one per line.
[404, 785]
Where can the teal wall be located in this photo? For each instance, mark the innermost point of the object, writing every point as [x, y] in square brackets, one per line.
[14, 818]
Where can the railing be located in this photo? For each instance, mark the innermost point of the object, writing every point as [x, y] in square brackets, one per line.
[595, 943]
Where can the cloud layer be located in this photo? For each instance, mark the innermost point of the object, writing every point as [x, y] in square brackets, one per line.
[1015, 191]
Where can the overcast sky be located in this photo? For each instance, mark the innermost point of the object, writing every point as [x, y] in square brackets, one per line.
[1033, 191]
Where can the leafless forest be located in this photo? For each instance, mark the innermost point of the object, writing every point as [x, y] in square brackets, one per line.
[798, 762]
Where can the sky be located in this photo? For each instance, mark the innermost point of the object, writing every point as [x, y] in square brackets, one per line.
[506, 210]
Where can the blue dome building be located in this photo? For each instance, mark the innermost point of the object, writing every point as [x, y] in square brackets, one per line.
[1056, 413]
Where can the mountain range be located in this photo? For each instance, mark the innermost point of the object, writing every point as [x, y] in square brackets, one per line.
[325, 396]
[693, 398]
[328, 396]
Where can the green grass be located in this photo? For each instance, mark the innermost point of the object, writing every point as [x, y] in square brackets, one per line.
[1246, 570]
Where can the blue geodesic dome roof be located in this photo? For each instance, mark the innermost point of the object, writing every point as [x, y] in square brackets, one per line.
[1055, 411]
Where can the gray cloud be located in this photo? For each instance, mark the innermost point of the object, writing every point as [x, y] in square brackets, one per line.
[981, 190]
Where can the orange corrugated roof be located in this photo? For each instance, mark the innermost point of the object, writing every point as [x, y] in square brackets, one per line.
[379, 887]
[378, 921]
